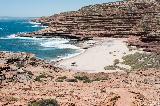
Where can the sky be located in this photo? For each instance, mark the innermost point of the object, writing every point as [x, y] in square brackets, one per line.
[38, 8]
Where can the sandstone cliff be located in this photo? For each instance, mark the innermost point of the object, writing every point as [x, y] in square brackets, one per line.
[115, 19]
[123, 18]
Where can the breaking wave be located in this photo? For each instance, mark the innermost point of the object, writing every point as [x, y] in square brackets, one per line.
[44, 48]
[58, 43]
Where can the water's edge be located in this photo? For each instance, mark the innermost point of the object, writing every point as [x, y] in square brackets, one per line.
[49, 49]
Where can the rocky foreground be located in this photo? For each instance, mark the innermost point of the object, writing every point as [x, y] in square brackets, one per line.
[115, 19]
[25, 79]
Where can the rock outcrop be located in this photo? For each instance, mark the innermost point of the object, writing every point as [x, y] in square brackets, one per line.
[117, 19]
[17, 67]
[114, 19]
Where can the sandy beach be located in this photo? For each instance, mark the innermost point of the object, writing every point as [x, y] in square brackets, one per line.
[95, 58]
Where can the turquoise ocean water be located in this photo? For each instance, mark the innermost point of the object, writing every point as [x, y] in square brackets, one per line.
[44, 48]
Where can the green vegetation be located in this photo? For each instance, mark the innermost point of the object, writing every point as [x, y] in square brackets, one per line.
[114, 66]
[111, 67]
[85, 79]
[61, 79]
[11, 99]
[142, 61]
[81, 78]
[38, 78]
[137, 61]
[116, 61]
[47, 102]
[71, 80]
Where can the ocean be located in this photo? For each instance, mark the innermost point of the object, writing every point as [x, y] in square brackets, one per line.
[45, 48]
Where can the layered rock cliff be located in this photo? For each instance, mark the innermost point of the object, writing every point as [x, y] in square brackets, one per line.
[115, 19]
[123, 18]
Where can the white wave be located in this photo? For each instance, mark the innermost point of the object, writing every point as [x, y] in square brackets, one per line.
[1, 28]
[35, 26]
[66, 46]
[3, 38]
[34, 23]
[44, 26]
[11, 36]
[58, 43]
[14, 36]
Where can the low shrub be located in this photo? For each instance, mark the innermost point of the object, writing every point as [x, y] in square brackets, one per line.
[85, 79]
[81, 77]
[38, 78]
[142, 61]
[47, 102]
[71, 80]
[116, 61]
[111, 67]
[64, 77]
[60, 79]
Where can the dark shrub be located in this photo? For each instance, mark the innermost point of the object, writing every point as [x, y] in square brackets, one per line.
[12, 60]
[38, 78]
[81, 77]
[60, 79]
[71, 80]
[64, 77]
[85, 79]
[47, 102]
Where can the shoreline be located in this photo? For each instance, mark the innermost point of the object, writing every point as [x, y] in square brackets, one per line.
[83, 47]
[93, 60]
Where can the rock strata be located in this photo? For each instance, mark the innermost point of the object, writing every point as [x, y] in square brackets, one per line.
[123, 18]
[114, 19]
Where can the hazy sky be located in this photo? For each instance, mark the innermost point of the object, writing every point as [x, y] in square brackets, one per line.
[36, 8]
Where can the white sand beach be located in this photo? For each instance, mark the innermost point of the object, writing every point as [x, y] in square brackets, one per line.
[94, 59]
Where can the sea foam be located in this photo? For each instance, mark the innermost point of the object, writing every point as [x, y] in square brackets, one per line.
[58, 43]
[11, 36]
[34, 23]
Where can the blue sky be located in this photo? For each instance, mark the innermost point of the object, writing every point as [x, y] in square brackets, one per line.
[36, 8]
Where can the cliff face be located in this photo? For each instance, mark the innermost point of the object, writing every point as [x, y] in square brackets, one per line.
[124, 18]
[116, 19]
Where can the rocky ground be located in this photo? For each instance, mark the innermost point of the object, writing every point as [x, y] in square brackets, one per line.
[25, 78]
[149, 44]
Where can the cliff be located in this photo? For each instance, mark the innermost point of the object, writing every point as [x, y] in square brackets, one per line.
[114, 19]
[123, 18]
